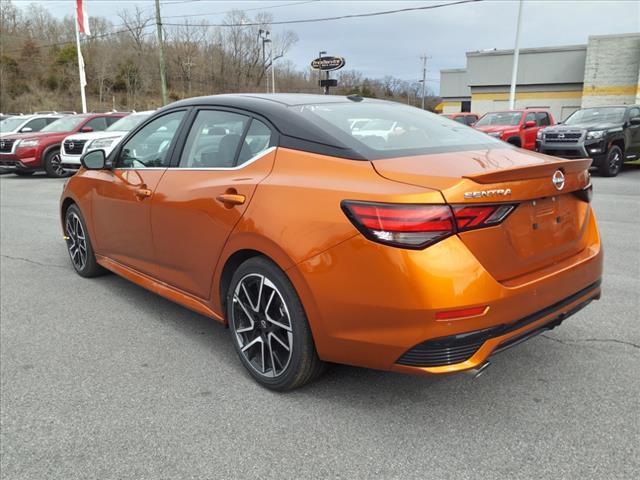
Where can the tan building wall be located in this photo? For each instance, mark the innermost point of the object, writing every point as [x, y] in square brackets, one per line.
[561, 103]
[612, 70]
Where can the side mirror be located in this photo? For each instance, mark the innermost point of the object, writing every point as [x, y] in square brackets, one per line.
[530, 124]
[559, 123]
[94, 160]
[634, 121]
[26, 129]
[86, 129]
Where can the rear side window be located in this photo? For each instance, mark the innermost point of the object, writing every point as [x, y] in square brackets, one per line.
[97, 124]
[214, 140]
[36, 124]
[111, 120]
[257, 140]
[543, 119]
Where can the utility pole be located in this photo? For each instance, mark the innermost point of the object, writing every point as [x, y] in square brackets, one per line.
[516, 54]
[264, 39]
[273, 72]
[163, 72]
[424, 76]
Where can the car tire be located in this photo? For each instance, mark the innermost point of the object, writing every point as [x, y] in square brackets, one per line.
[79, 245]
[25, 173]
[611, 165]
[53, 166]
[269, 327]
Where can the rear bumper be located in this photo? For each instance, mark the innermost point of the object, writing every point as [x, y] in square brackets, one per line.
[373, 306]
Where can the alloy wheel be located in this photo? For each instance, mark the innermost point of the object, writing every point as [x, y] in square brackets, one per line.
[56, 165]
[262, 325]
[615, 161]
[76, 241]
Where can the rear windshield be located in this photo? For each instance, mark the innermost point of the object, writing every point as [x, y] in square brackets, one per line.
[394, 129]
[499, 118]
[64, 124]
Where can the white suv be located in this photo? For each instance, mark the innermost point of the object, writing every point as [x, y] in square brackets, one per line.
[26, 123]
[74, 146]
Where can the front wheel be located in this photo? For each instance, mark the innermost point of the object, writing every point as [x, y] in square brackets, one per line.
[269, 328]
[79, 244]
[612, 164]
[53, 165]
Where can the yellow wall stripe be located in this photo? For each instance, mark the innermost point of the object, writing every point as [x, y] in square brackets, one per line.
[526, 95]
[614, 90]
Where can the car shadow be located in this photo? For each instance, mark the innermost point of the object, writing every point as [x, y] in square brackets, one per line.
[342, 383]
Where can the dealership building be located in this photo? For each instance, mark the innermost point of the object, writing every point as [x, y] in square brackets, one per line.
[605, 71]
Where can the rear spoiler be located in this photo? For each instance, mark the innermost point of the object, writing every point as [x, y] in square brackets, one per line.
[545, 169]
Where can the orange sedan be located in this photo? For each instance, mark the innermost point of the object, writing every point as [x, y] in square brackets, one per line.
[424, 249]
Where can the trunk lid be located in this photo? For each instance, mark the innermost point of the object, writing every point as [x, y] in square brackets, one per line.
[549, 223]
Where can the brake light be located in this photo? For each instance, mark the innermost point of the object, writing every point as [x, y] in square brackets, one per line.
[416, 226]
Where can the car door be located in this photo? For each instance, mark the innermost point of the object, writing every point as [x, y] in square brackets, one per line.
[121, 202]
[530, 133]
[203, 196]
[634, 133]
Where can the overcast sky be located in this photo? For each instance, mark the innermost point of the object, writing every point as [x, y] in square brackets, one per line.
[392, 44]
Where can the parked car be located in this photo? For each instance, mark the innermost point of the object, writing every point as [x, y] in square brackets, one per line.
[517, 127]
[24, 153]
[465, 118]
[76, 144]
[417, 256]
[26, 123]
[608, 135]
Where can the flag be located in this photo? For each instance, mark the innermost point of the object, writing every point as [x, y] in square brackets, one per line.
[83, 18]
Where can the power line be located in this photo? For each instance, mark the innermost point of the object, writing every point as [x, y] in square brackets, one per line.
[328, 19]
[270, 7]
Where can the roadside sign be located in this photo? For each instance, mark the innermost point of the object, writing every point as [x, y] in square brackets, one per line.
[328, 63]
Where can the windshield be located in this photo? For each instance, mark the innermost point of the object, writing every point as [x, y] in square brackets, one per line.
[590, 116]
[127, 123]
[10, 124]
[65, 124]
[499, 118]
[399, 129]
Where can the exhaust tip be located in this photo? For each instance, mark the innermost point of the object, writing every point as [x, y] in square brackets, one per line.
[479, 370]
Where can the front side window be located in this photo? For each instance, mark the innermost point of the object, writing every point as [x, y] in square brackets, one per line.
[394, 129]
[214, 140]
[634, 113]
[150, 146]
[531, 117]
[126, 124]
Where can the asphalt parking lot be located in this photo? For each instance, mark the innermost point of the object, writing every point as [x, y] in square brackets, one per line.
[102, 379]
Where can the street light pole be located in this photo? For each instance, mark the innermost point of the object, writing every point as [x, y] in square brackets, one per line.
[326, 89]
[516, 54]
[264, 40]
[163, 73]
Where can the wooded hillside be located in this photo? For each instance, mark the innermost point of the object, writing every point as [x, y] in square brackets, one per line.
[39, 70]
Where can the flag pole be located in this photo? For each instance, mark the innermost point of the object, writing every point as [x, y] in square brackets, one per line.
[83, 78]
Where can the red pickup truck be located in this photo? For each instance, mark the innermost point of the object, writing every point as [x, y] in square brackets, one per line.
[518, 127]
[25, 153]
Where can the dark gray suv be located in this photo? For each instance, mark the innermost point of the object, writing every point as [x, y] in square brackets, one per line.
[610, 135]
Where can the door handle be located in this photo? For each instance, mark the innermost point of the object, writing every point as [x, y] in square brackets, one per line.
[231, 199]
[142, 193]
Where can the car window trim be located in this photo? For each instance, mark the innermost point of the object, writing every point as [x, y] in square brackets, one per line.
[273, 142]
[116, 152]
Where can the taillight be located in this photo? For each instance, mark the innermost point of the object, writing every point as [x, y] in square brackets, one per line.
[469, 217]
[417, 226]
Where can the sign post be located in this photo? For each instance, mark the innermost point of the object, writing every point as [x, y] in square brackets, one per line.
[326, 64]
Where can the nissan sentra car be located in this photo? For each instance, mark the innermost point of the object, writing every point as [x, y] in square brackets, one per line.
[424, 250]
